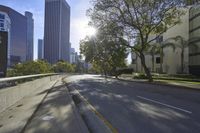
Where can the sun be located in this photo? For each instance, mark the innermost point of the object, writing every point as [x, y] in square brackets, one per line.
[90, 31]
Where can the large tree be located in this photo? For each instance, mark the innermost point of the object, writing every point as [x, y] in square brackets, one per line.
[137, 19]
[105, 53]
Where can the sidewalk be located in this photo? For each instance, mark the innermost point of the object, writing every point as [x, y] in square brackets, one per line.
[49, 110]
[184, 84]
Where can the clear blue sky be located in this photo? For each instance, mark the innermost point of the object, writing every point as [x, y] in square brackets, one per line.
[78, 24]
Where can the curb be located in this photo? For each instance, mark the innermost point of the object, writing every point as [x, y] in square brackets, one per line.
[157, 83]
[80, 122]
[95, 121]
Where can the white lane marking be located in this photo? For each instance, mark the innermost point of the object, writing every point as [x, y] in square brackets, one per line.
[170, 106]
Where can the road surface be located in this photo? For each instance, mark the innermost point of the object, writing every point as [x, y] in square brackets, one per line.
[141, 108]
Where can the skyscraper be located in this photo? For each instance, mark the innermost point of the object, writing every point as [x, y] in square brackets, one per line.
[40, 49]
[30, 27]
[57, 31]
[16, 25]
[5, 25]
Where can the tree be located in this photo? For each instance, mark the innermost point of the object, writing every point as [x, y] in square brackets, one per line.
[182, 43]
[30, 67]
[63, 67]
[153, 50]
[137, 19]
[157, 48]
[105, 53]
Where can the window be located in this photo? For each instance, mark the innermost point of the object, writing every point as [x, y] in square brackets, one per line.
[1, 24]
[2, 16]
[157, 60]
[133, 61]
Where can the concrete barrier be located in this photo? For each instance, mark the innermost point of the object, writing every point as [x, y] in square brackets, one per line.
[10, 95]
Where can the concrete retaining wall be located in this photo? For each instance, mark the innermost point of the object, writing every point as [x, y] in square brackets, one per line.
[11, 95]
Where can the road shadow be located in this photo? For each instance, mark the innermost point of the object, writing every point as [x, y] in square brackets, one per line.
[117, 101]
[55, 114]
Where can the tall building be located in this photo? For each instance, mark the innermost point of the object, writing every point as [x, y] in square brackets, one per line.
[5, 25]
[57, 31]
[40, 49]
[73, 56]
[17, 34]
[194, 32]
[30, 34]
[4, 34]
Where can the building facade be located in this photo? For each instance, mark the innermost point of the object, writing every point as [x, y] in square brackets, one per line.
[73, 56]
[40, 49]
[5, 26]
[17, 36]
[171, 63]
[194, 32]
[30, 35]
[57, 31]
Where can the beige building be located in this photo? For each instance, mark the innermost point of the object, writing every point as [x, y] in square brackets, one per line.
[194, 32]
[171, 58]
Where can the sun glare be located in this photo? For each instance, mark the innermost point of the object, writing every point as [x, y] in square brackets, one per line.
[90, 31]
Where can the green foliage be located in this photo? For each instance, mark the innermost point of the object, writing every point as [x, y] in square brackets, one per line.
[140, 76]
[63, 67]
[104, 53]
[136, 20]
[30, 67]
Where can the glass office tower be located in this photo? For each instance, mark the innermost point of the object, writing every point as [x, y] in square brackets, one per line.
[17, 34]
[57, 31]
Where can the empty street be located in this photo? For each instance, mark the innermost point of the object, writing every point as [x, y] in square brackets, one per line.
[133, 107]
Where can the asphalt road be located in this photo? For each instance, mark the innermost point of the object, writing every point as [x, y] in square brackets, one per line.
[141, 108]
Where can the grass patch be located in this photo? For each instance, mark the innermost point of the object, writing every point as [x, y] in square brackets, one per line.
[179, 81]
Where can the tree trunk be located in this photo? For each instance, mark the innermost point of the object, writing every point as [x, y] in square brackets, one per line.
[152, 56]
[136, 63]
[147, 72]
[161, 60]
[182, 61]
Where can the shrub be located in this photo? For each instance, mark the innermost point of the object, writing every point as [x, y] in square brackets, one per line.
[139, 76]
[29, 67]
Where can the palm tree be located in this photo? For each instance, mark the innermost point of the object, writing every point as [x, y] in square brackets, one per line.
[153, 50]
[180, 42]
[157, 48]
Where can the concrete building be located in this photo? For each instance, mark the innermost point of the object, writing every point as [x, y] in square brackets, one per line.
[172, 58]
[73, 56]
[57, 31]
[17, 34]
[194, 32]
[40, 49]
[30, 35]
[192, 2]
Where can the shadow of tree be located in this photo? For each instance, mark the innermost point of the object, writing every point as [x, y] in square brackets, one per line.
[55, 115]
[117, 101]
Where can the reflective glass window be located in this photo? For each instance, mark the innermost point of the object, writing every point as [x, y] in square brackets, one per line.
[2, 16]
[1, 24]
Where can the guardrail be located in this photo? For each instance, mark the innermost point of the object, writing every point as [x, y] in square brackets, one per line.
[10, 92]
[25, 77]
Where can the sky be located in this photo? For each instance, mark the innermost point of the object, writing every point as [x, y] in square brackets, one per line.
[79, 21]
